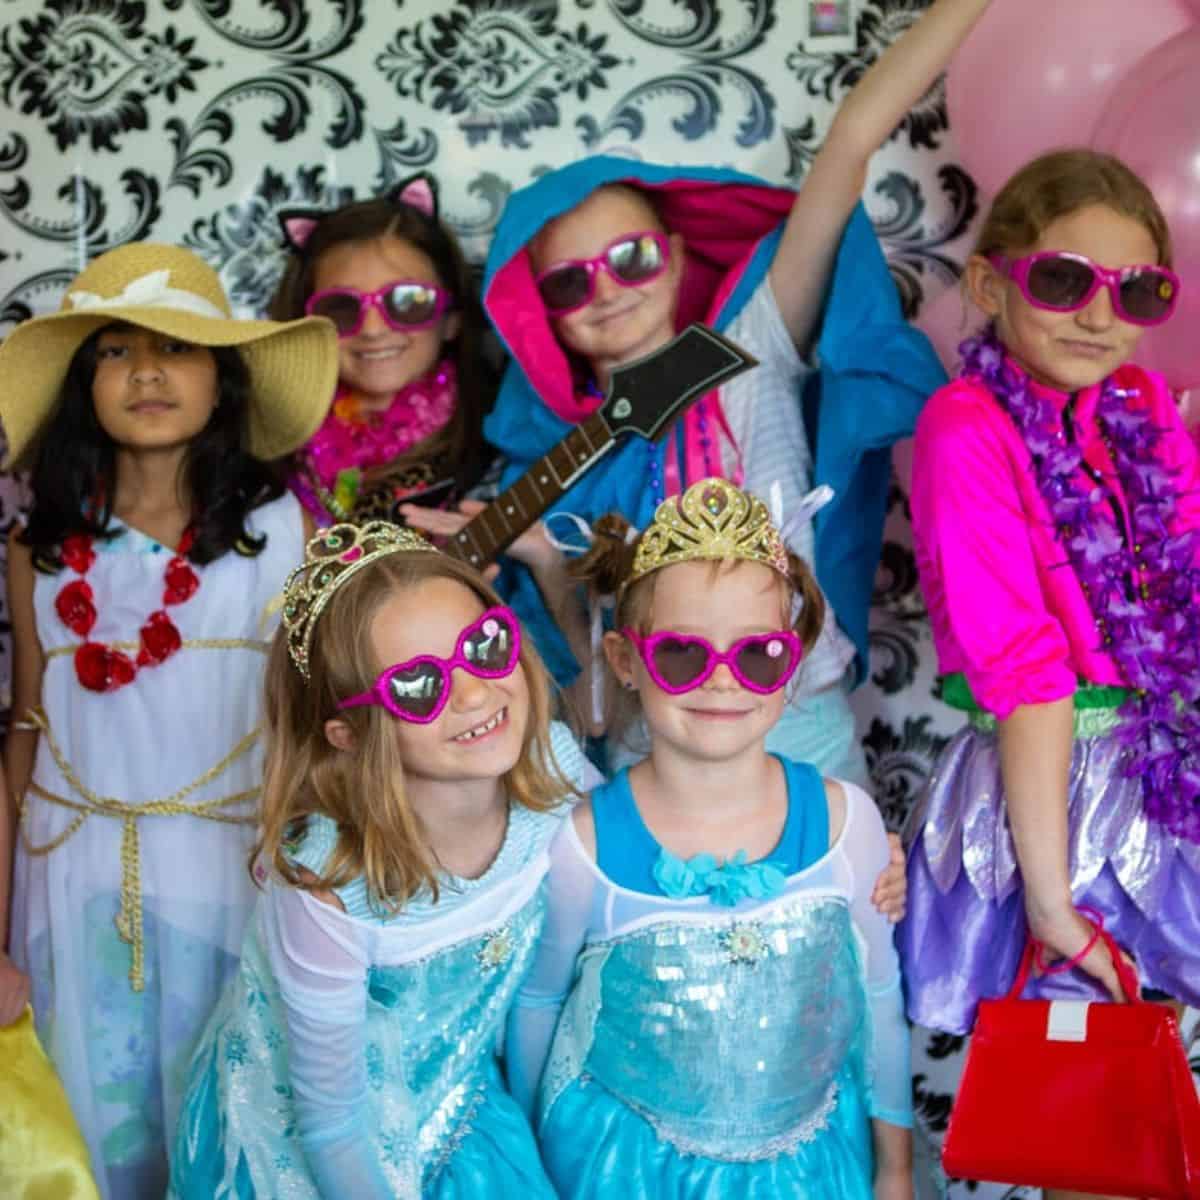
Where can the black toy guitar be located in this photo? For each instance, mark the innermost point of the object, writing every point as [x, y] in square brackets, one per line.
[642, 398]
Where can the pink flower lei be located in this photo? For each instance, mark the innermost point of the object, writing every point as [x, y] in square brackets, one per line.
[350, 439]
[1142, 583]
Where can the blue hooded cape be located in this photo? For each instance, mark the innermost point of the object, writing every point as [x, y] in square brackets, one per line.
[874, 370]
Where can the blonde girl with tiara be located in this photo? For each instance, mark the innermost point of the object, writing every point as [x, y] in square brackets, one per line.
[715, 1006]
[141, 588]
[411, 791]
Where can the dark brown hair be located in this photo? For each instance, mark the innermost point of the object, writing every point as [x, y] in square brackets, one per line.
[365, 221]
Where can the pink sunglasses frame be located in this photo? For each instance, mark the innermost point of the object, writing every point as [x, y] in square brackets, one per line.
[378, 693]
[592, 265]
[442, 304]
[646, 644]
[1018, 269]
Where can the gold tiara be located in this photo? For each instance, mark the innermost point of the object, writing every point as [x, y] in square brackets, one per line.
[711, 520]
[331, 557]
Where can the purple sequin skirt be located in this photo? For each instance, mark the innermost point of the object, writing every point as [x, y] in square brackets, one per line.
[965, 930]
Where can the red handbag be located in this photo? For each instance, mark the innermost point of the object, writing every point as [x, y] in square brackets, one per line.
[1069, 1094]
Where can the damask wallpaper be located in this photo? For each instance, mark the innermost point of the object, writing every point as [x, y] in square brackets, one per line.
[196, 120]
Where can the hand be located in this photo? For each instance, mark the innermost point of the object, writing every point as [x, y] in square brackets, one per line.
[1065, 933]
[532, 548]
[893, 1183]
[14, 991]
[890, 894]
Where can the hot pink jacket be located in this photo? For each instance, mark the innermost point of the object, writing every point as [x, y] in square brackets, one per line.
[1007, 609]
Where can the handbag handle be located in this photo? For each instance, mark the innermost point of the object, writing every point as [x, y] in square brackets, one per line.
[1033, 954]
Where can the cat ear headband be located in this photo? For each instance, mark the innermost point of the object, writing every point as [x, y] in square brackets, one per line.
[418, 191]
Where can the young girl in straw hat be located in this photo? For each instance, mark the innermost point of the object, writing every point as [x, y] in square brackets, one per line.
[140, 587]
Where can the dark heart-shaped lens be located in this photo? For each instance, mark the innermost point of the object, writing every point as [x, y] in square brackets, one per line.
[679, 661]
[490, 645]
[765, 661]
[416, 689]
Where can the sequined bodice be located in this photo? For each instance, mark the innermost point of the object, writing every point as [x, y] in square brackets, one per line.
[454, 1002]
[727, 1034]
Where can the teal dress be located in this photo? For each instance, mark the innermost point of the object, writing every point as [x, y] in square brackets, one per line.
[355, 1054]
[728, 1031]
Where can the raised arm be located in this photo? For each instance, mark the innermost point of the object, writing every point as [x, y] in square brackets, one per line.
[838, 173]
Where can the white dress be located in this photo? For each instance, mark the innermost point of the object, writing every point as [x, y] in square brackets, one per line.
[184, 732]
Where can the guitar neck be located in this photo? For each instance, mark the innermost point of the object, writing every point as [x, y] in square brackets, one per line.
[486, 536]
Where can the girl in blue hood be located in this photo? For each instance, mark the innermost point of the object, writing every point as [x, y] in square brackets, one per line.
[601, 262]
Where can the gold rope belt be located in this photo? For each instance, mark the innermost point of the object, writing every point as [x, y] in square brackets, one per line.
[187, 644]
[129, 915]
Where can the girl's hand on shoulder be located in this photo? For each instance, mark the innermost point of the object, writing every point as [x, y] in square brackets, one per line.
[532, 548]
[14, 991]
[890, 895]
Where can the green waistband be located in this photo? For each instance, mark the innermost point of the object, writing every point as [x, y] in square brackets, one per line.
[1095, 705]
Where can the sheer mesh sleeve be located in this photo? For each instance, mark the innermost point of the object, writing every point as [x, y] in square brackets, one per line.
[320, 959]
[570, 888]
[889, 1066]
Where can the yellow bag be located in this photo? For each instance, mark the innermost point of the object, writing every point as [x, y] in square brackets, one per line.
[42, 1153]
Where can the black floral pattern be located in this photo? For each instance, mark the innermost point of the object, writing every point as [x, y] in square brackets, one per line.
[497, 66]
[88, 69]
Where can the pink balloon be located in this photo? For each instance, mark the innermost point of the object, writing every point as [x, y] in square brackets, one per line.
[1151, 124]
[1034, 73]
[946, 321]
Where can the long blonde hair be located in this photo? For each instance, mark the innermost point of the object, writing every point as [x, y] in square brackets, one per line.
[380, 836]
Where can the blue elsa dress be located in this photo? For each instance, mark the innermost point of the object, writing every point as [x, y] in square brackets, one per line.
[355, 1053]
[692, 1031]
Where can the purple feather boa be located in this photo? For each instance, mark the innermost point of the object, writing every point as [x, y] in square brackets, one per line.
[1142, 583]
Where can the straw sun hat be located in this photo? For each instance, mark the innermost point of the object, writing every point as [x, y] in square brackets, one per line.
[293, 364]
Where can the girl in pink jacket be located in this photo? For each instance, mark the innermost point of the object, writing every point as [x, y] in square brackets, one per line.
[1056, 510]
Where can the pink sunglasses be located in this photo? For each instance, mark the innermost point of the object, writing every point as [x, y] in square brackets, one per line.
[1058, 281]
[404, 304]
[418, 690]
[680, 662]
[632, 259]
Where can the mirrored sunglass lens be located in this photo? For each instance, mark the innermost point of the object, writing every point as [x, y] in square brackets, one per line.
[416, 690]
[490, 647]
[1147, 295]
[564, 288]
[679, 662]
[1060, 282]
[411, 304]
[636, 259]
[765, 661]
[341, 309]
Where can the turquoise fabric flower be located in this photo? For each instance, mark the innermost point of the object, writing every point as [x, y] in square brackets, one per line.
[725, 884]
